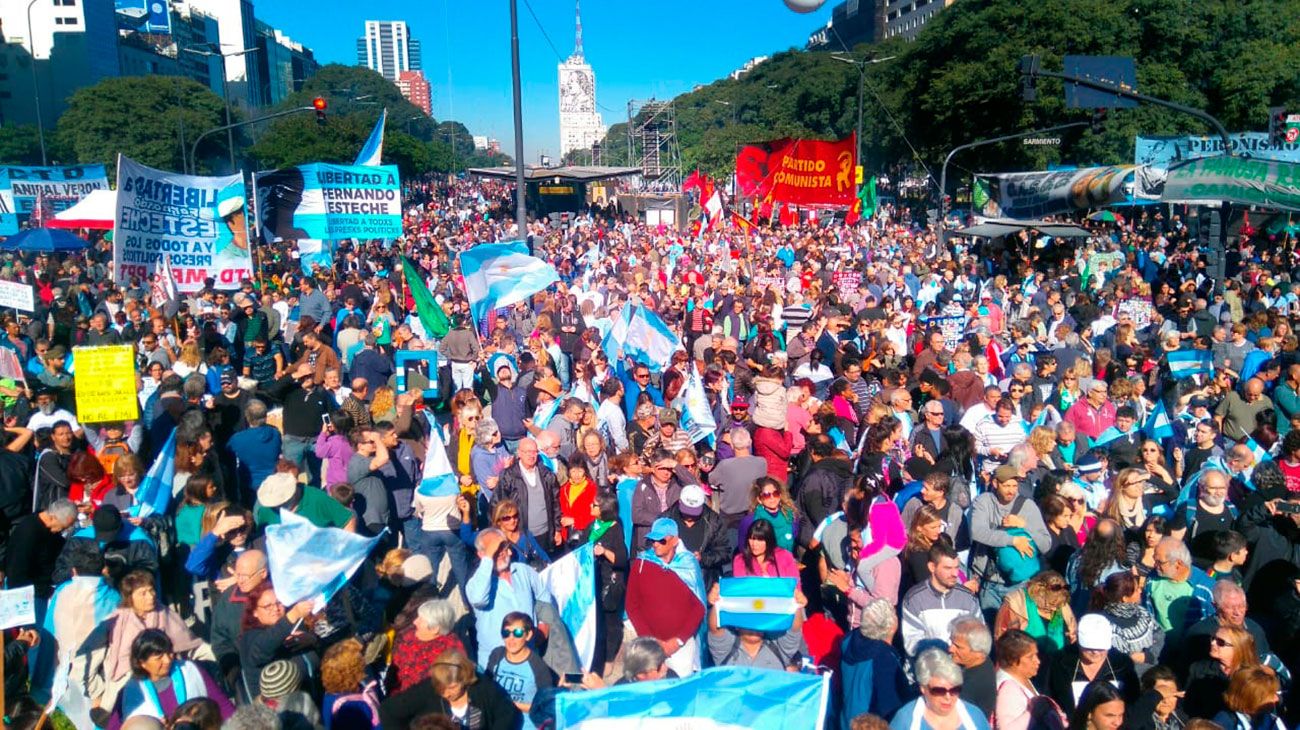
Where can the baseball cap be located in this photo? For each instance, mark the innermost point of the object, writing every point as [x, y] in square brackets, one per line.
[107, 523]
[1094, 632]
[662, 527]
[668, 415]
[691, 501]
[1004, 473]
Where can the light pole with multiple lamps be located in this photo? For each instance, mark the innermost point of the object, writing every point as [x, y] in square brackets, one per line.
[225, 91]
[36, 84]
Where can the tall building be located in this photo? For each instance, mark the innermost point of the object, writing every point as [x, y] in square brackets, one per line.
[852, 22]
[415, 88]
[580, 123]
[72, 45]
[283, 63]
[905, 18]
[388, 49]
[237, 31]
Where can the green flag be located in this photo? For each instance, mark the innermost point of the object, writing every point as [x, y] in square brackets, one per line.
[867, 196]
[430, 313]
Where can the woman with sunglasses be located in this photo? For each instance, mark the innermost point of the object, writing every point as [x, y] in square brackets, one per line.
[1232, 650]
[1041, 609]
[940, 706]
[770, 502]
[505, 517]
[1152, 458]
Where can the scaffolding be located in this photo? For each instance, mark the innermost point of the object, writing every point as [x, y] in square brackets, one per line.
[652, 144]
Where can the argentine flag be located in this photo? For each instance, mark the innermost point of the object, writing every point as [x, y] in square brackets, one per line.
[154, 496]
[757, 604]
[697, 419]
[718, 698]
[572, 581]
[315, 252]
[1186, 363]
[374, 149]
[437, 480]
[642, 336]
[1158, 426]
[310, 562]
[500, 274]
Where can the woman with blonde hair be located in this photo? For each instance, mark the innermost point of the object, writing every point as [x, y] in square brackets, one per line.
[1041, 608]
[1251, 701]
[351, 700]
[383, 407]
[1232, 650]
[1126, 504]
[458, 691]
[1043, 441]
[190, 361]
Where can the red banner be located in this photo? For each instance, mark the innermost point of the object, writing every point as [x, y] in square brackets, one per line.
[804, 172]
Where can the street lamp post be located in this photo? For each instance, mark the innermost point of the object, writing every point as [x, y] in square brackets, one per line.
[521, 208]
[861, 65]
[36, 84]
[225, 96]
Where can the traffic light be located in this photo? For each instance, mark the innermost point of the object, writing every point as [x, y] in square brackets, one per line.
[320, 105]
[1276, 126]
[1098, 119]
[1029, 78]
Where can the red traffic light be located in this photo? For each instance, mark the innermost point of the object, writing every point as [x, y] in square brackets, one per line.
[319, 103]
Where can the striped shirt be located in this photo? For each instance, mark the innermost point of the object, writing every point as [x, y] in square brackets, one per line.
[991, 435]
[794, 316]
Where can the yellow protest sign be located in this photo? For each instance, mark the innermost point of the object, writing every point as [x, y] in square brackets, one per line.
[105, 384]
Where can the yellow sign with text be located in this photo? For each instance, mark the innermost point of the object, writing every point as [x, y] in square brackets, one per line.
[105, 384]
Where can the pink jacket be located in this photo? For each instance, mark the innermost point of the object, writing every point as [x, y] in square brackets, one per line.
[885, 525]
[786, 567]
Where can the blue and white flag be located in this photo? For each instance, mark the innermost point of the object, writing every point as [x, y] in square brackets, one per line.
[718, 698]
[546, 412]
[154, 496]
[642, 336]
[437, 480]
[1186, 363]
[374, 150]
[572, 581]
[697, 418]
[757, 604]
[315, 252]
[1261, 453]
[1158, 426]
[500, 274]
[310, 562]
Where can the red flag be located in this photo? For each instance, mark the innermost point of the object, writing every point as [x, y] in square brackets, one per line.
[789, 215]
[741, 222]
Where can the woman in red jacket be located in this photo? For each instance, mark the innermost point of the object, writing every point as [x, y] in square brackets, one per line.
[577, 497]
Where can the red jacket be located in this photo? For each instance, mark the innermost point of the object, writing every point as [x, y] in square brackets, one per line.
[774, 446]
[660, 604]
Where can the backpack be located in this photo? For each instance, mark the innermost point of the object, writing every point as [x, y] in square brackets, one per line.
[1014, 567]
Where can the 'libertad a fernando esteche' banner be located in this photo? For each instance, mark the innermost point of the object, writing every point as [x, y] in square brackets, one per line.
[199, 223]
[330, 202]
[802, 172]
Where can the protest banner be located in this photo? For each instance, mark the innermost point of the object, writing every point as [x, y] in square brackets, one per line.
[846, 280]
[57, 188]
[1138, 310]
[105, 384]
[805, 172]
[8, 216]
[198, 222]
[1164, 152]
[1036, 194]
[10, 367]
[17, 607]
[952, 326]
[17, 295]
[1240, 180]
[329, 202]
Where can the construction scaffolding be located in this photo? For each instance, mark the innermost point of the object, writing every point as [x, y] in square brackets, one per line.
[652, 144]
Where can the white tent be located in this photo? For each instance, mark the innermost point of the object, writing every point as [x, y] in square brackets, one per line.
[96, 210]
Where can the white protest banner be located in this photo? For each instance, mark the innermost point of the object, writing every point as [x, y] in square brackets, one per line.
[18, 607]
[16, 295]
[199, 223]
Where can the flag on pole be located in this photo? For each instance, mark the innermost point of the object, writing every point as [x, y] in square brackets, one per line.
[437, 480]
[1186, 363]
[1158, 425]
[154, 495]
[310, 562]
[739, 221]
[721, 698]
[314, 253]
[643, 336]
[572, 582]
[757, 604]
[430, 312]
[500, 274]
[374, 150]
[163, 290]
[697, 419]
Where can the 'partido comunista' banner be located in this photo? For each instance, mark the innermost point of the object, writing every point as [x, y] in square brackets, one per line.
[1036, 194]
[330, 202]
[55, 188]
[199, 223]
[803, 172]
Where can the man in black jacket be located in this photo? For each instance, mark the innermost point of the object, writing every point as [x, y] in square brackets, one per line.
[823, 487]
[228, 609]
[702, 532]
[536, 490]
[35, 542]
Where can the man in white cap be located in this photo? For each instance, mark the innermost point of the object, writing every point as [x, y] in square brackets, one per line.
[281, 491]
[702, 531]
[1090, 659]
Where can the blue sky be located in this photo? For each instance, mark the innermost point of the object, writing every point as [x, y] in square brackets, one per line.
[637, 48]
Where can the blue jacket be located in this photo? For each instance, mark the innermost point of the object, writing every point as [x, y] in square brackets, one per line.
[632, 391]
[257, 451]
[873, 678]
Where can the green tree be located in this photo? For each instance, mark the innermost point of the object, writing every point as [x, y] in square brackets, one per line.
[20, 145]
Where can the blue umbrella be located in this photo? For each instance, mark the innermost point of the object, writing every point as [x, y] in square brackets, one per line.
[48, 240]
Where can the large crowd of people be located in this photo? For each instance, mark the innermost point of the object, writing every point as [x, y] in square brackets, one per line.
[1002, 507]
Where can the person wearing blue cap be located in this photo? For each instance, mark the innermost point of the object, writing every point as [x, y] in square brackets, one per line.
[665, 597]
[1090, 476]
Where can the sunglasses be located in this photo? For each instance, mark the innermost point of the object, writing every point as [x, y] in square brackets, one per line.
[944, 691]
[1058, 587]
[508, 518]
[768, 495]
[1222, 644]
[518, 632]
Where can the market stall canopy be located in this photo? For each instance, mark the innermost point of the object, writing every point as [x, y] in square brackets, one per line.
[46, 240]
[96, 211]
[570, 173]
[1005, 226]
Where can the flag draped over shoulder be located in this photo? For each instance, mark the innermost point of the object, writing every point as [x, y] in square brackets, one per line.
[310, 562]
[154, 496]
[500, 274]
[373, 152]
[572, 581]
[719, 698]
[431, 315]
